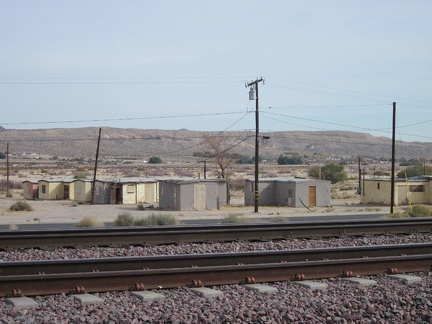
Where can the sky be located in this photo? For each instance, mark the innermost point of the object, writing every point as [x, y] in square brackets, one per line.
[326, 65]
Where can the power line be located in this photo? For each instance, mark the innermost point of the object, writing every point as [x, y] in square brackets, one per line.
[322, 122]
[383, 130]
[326, 106]
[122, 119]
[120, 80]
[301, 87]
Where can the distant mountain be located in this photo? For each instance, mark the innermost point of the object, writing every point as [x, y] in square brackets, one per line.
[183, 144]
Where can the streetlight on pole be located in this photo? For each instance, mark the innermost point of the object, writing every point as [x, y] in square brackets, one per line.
[253, 95]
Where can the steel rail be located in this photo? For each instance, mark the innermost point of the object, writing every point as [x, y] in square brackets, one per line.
[208, 276]
[207, 259]
[10, 240]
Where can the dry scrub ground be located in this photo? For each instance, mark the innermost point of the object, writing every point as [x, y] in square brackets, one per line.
[62, 211]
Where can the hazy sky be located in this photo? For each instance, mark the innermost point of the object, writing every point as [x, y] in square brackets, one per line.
[327, 65]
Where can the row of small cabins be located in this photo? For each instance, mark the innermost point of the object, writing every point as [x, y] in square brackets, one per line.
[204, 194]
[181, 193]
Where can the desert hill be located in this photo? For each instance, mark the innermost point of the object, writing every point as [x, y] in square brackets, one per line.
[183, 144]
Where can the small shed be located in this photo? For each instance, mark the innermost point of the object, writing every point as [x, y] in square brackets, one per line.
[291, 192]
[102, 191]
[414, 190]
[30, 189]
[127, 191]
[82, 190]
[193, 194]
[56, 189]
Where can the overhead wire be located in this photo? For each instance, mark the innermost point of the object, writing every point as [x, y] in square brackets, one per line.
[123, 119]
[322, 122]
[118, 81]
[300, 86]
[383, 130]
[281, 83]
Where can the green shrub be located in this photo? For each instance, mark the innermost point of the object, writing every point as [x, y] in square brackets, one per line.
[154, 219]
[140, 207]
[155, 160]
[234, 218]
[89, 221]
[124, 219]
[420, 211]
[21, 205]
[80, 176]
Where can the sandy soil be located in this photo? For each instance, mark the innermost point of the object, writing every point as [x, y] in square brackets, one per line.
[62, 211]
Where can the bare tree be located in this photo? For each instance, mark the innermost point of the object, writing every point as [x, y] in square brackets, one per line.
[219, 149]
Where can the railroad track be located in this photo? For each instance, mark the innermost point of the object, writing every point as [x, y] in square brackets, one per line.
[10, 240]
[137, 273]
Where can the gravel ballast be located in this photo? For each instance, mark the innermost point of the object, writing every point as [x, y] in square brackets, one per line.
[389, 301]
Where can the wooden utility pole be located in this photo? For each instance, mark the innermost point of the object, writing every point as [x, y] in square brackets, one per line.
[254, 86]
[359, 176]
[95, 168]
[7, 169]
[205, 168]
[392, 193]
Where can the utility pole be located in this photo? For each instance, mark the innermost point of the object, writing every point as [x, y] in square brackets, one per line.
[359, 176]
[393, 160]
[254, 93]
[95, 168]
[7, 169]
[205, 168]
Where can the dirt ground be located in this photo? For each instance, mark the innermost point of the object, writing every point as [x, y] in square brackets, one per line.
[61, 211]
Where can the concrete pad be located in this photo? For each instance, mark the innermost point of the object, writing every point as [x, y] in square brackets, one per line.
[406, 279]
[261, 288]
[311, 284]
[206, 292]
[361, 281]
[88, 299]
[147, 295]
[22, 302]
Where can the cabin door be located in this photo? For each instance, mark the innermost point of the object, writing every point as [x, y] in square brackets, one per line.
[66, 192]
[312, 196]
[200, 196]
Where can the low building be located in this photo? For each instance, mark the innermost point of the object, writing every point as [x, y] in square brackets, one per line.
[415, 190]
[30, 189]
[127, 191]
[291, 192]
[102, 192]
[56, 189]
[82, 190]
[193, 194]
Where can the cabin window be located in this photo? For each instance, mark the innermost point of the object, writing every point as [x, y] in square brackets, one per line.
[290, 193]
[43, 189]
[378, 185]
[416, 188]
[130, 189]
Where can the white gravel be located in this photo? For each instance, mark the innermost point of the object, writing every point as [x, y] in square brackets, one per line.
[388, 302]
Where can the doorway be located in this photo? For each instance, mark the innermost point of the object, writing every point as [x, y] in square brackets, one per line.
[312, 196]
